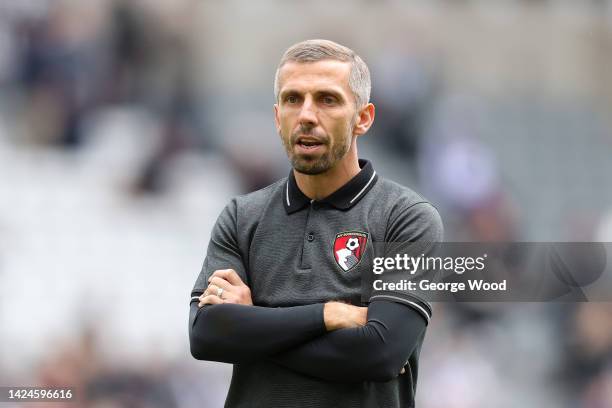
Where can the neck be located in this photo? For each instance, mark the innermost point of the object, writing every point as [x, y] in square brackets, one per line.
[319, 186]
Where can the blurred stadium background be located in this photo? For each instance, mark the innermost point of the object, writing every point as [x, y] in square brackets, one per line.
[125, 127]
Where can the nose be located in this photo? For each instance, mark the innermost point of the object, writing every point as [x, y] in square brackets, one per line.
[308, 113]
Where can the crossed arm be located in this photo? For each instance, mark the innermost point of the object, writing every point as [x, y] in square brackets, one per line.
[331, 341]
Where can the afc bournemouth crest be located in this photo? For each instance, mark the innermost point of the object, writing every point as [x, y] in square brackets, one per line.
[349, 248]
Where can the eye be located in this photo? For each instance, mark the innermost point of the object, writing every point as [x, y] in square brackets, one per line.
[291, 99]
[328, 100]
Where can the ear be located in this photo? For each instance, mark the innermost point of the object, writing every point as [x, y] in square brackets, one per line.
[365, 118]
[276, 118]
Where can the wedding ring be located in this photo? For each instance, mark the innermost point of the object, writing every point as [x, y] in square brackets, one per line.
[220, 292]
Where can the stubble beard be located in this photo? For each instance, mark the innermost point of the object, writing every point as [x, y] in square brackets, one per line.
[312, 165]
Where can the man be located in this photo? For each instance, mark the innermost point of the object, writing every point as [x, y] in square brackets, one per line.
[281, 294]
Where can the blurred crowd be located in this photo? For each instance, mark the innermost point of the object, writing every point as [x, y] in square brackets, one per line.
[125, 127]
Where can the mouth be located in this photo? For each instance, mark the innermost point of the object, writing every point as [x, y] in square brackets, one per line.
[309, 143]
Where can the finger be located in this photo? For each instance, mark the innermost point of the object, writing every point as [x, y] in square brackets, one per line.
[220, 283]
[210, 290]
[226, 294]
[229, 275]
[229, 297]
[210, 300]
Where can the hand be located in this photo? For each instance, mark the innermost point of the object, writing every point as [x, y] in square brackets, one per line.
[234, 290]
[344, 316]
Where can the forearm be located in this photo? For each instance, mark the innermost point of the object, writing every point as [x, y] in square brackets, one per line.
[236, 333]
[374, 352]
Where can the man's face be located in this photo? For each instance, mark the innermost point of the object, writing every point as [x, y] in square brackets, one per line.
[315, 114]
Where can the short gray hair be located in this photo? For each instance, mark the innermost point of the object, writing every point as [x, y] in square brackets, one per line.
[318, 50]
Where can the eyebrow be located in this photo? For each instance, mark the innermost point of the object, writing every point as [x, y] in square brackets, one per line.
[325, 91]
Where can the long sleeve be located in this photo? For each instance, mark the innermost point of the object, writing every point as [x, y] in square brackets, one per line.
[235, 333]
[374, 352]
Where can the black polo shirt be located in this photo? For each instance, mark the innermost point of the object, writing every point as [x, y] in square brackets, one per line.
[292, 251]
